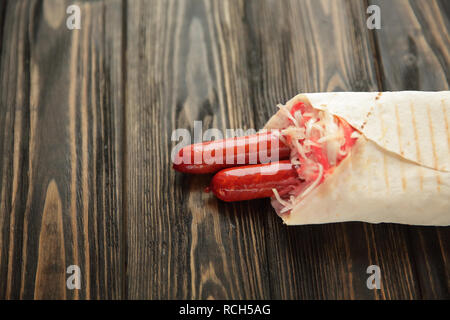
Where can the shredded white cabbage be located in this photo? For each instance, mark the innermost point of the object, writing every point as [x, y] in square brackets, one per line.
[287, 113]
[312, 185]
[322, 128]
[299, 148]
[355, 135]
[330, 138]
[311, 143]
[277, 196]
[295, 133]
[298, 116]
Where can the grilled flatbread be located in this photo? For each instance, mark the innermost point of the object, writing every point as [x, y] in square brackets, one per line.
[399, 169]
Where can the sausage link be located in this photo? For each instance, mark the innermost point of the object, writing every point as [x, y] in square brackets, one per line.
[212, 156]
[254, 181]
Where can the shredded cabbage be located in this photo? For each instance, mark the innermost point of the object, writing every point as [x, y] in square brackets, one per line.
[321, 130]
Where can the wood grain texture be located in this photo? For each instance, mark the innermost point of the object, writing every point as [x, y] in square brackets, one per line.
[86, 123]
[60, 141]
[414, 50]
[186, 61]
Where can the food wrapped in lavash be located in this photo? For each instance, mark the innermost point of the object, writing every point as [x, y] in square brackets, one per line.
[399, 169]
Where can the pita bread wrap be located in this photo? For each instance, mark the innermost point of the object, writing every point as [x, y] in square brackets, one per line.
[399, 169]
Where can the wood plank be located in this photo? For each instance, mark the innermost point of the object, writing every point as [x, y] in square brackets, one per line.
[414, 46]
[186, 61]
[60, 141]
[307, 46]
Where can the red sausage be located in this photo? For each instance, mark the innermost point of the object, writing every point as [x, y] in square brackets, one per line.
[210, 157]
[253, 182]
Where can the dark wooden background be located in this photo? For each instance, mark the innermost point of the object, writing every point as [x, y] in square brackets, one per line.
[86, 118]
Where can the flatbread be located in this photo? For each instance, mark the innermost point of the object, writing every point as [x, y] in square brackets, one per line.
[399, 169]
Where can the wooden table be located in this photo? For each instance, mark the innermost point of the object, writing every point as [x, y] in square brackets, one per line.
[86, 118]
